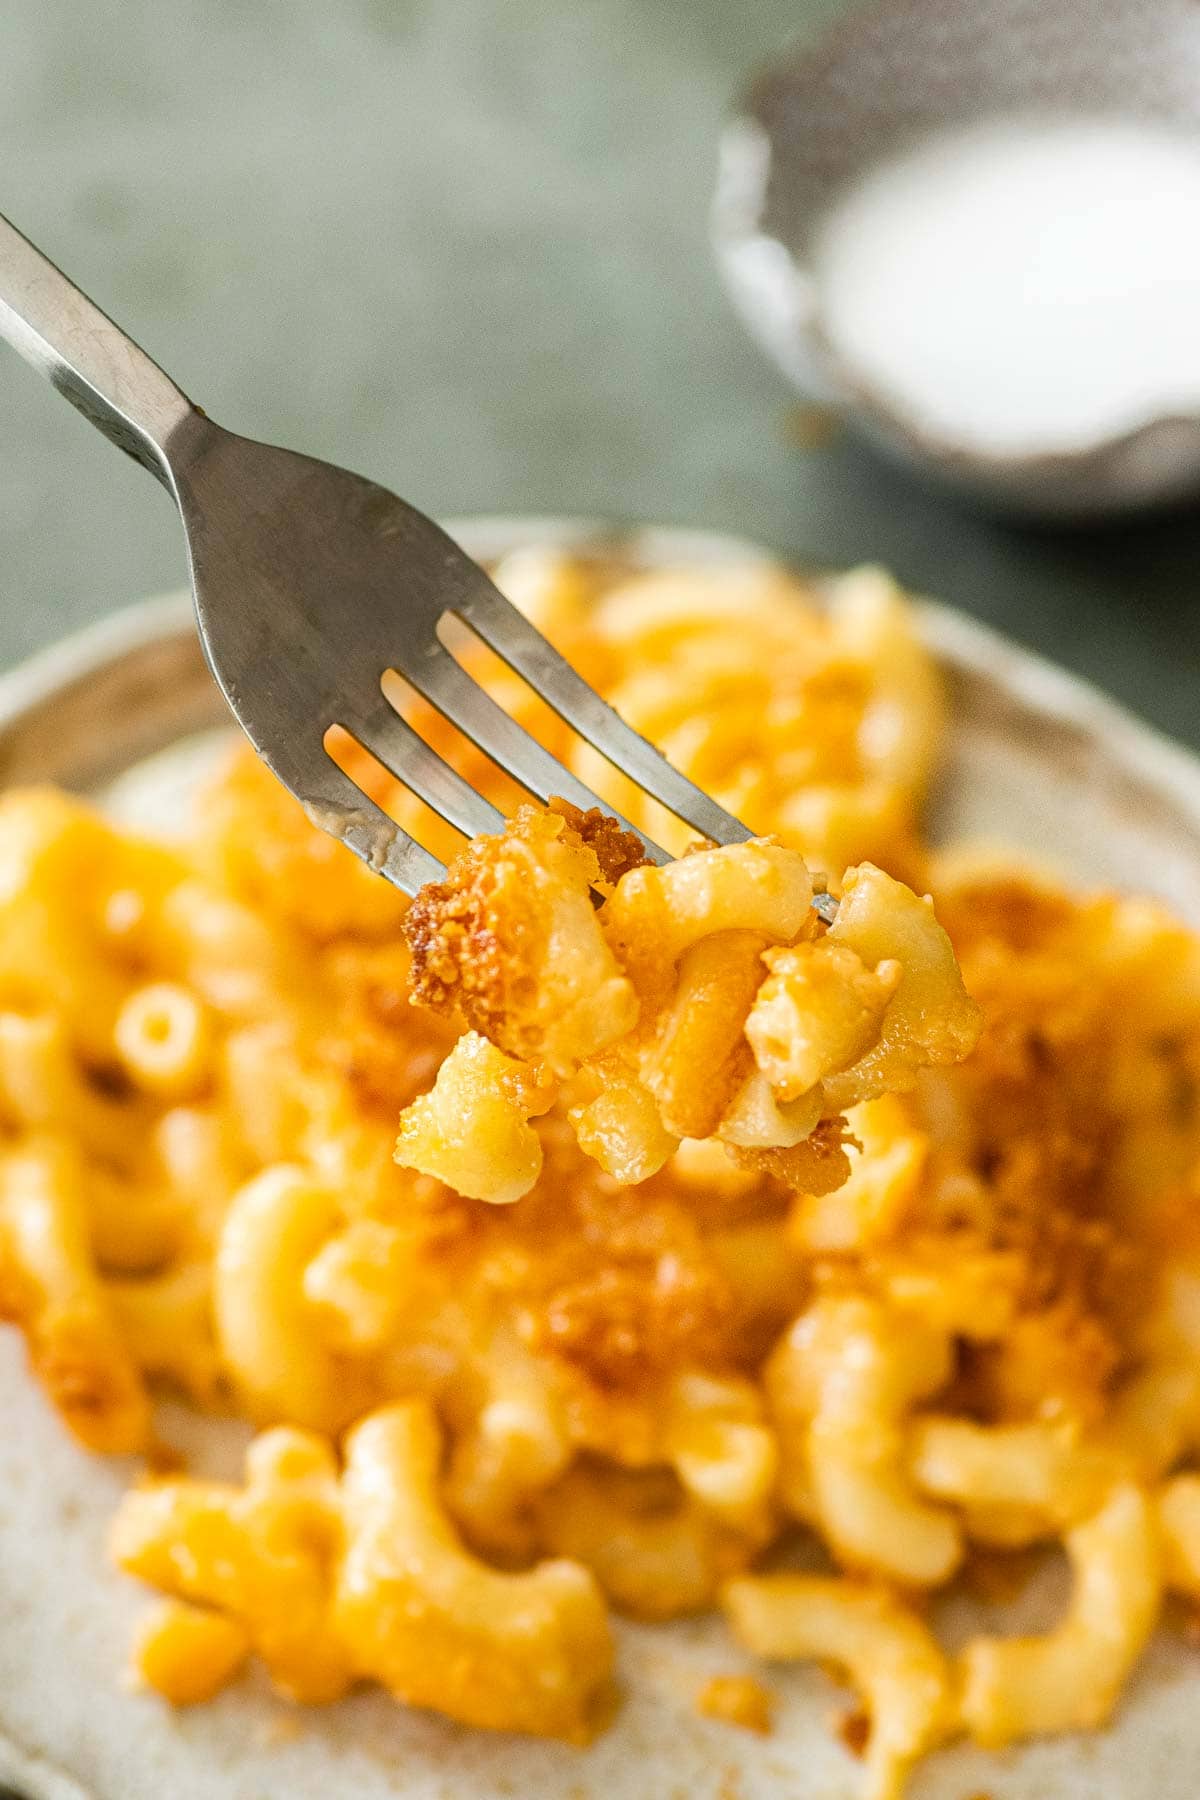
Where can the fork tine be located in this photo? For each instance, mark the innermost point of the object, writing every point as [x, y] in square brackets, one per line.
[448, 687]
[512, 637]
[409, 758]
[337, 805]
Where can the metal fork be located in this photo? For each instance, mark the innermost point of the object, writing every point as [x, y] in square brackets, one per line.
[311, 583]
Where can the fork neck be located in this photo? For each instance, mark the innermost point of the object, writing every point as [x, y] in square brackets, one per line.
[91, 362]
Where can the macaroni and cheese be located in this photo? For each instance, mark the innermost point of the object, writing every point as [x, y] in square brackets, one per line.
[928, 1311]
[701, 999]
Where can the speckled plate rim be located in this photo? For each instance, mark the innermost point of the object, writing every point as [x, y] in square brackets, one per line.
[960, 642]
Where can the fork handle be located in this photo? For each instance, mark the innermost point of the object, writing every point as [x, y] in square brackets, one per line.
[84, 355]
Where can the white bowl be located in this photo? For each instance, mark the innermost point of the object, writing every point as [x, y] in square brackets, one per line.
[817, 117]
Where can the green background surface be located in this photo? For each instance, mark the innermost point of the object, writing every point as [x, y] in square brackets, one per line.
[461, 245]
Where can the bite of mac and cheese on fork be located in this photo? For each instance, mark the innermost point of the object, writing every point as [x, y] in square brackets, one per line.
[701, 999]
[675, 1253]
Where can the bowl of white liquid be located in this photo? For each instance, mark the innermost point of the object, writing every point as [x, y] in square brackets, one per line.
[973, 226]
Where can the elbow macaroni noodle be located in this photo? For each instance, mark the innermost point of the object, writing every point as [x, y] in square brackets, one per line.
[765, 1253]
[888, 1653]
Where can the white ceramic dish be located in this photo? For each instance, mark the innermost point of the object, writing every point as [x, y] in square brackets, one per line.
[884, 77]
[1036, 758]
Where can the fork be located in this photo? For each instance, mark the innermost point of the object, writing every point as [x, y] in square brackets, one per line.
[312, 585]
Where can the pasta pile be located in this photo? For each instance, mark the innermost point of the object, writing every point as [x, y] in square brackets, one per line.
[481, 1427]
[704, 999]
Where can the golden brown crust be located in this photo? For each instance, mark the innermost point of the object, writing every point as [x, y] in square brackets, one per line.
[1044, 1135]
[473, 941]
[632, 1290]
[450, 928]
[623, 1322]
[510, 941]
[817, 1165]
[616, 849]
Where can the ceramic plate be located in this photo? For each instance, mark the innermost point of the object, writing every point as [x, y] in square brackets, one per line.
[127, 713]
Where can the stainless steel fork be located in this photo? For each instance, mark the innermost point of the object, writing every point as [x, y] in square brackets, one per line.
[311, 583]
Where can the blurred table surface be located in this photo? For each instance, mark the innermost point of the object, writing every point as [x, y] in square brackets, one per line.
[461, 245]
